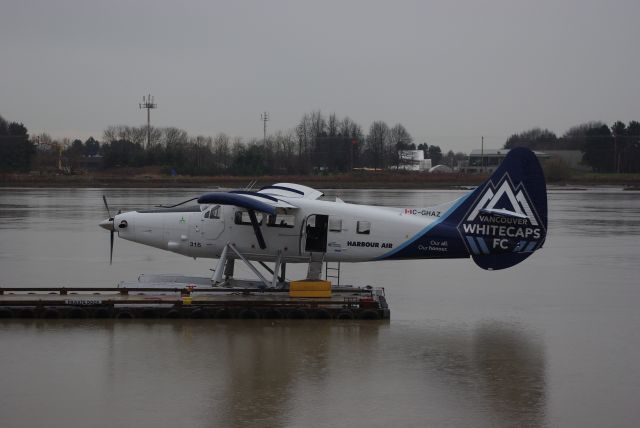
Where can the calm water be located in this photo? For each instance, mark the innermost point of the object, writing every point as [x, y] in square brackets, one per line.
[554, 341]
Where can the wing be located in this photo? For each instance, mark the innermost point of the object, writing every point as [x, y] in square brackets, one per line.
[290, 190]
[252, 202]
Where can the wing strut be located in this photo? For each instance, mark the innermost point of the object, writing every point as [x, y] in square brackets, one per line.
[256, 229]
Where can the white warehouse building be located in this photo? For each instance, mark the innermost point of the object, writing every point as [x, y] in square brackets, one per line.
[413, 160]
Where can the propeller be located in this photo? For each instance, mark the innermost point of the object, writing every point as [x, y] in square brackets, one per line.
[109, 225]
[106, 205]
[111, 248]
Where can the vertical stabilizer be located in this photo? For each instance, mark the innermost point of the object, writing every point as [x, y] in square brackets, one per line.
[504, 220]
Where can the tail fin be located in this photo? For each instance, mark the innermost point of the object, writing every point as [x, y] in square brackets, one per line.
[504, 220]
[499, 224]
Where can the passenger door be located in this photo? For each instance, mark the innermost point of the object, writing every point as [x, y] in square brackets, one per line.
[314, 234]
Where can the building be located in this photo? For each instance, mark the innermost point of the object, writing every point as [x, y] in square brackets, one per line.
[413, 160]
[487, 160]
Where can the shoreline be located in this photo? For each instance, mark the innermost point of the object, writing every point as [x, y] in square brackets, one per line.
[338, 181]
[382, 180]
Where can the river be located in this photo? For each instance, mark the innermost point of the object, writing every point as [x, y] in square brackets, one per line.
[554, 341]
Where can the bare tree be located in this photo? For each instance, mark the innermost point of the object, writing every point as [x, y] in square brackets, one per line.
[304, 134]
[173, 137]
[332, 125]
[399, 139]
[201, 157]
[318, 124]
[377, 141]
[222, 152]
[135, 135]
[348, 128]
[109, 134]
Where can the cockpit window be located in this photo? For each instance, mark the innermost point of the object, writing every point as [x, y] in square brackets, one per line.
[213, 212]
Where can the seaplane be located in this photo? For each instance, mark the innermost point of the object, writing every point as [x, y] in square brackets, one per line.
[498, 225]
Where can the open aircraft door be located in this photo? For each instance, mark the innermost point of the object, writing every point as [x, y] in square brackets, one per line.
[313, 234]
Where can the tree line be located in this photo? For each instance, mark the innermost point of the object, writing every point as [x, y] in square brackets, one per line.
[317, 144]
[16, 151]
[604, 148]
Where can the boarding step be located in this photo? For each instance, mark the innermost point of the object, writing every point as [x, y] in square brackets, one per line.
[332, 270]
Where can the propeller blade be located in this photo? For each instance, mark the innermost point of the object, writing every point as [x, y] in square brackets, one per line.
[111, 249]
[112, 229]
[106, 205]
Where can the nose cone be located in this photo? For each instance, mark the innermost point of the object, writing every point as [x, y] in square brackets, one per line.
[107, 224]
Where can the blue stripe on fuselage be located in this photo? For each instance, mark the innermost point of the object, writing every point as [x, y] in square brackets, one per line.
[427, 228]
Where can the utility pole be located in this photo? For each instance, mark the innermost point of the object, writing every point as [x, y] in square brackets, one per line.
[264, 117]
[148, 103]
[482, 155]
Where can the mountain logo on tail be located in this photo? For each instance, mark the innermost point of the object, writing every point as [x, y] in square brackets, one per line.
[502, 220]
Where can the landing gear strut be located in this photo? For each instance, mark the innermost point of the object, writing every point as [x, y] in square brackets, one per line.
[226, 266]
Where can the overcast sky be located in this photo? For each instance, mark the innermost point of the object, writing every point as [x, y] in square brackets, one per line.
[450, 71]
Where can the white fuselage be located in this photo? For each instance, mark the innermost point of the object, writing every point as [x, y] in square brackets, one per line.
[499, 224]
[354, 233]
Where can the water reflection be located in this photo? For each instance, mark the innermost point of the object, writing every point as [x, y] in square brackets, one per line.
[276, 374]
[512, 367]
[498, 366]
[264, 365]
[239, 372]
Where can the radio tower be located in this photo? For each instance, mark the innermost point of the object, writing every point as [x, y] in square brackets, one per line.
[148, 103]
[264, 117]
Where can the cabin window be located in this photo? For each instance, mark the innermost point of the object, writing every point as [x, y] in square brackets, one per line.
[281, 220]
[213, 212]
[364, 227]
[242, 217]
[335, 225]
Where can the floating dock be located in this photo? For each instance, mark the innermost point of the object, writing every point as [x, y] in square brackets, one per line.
[167, 296]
